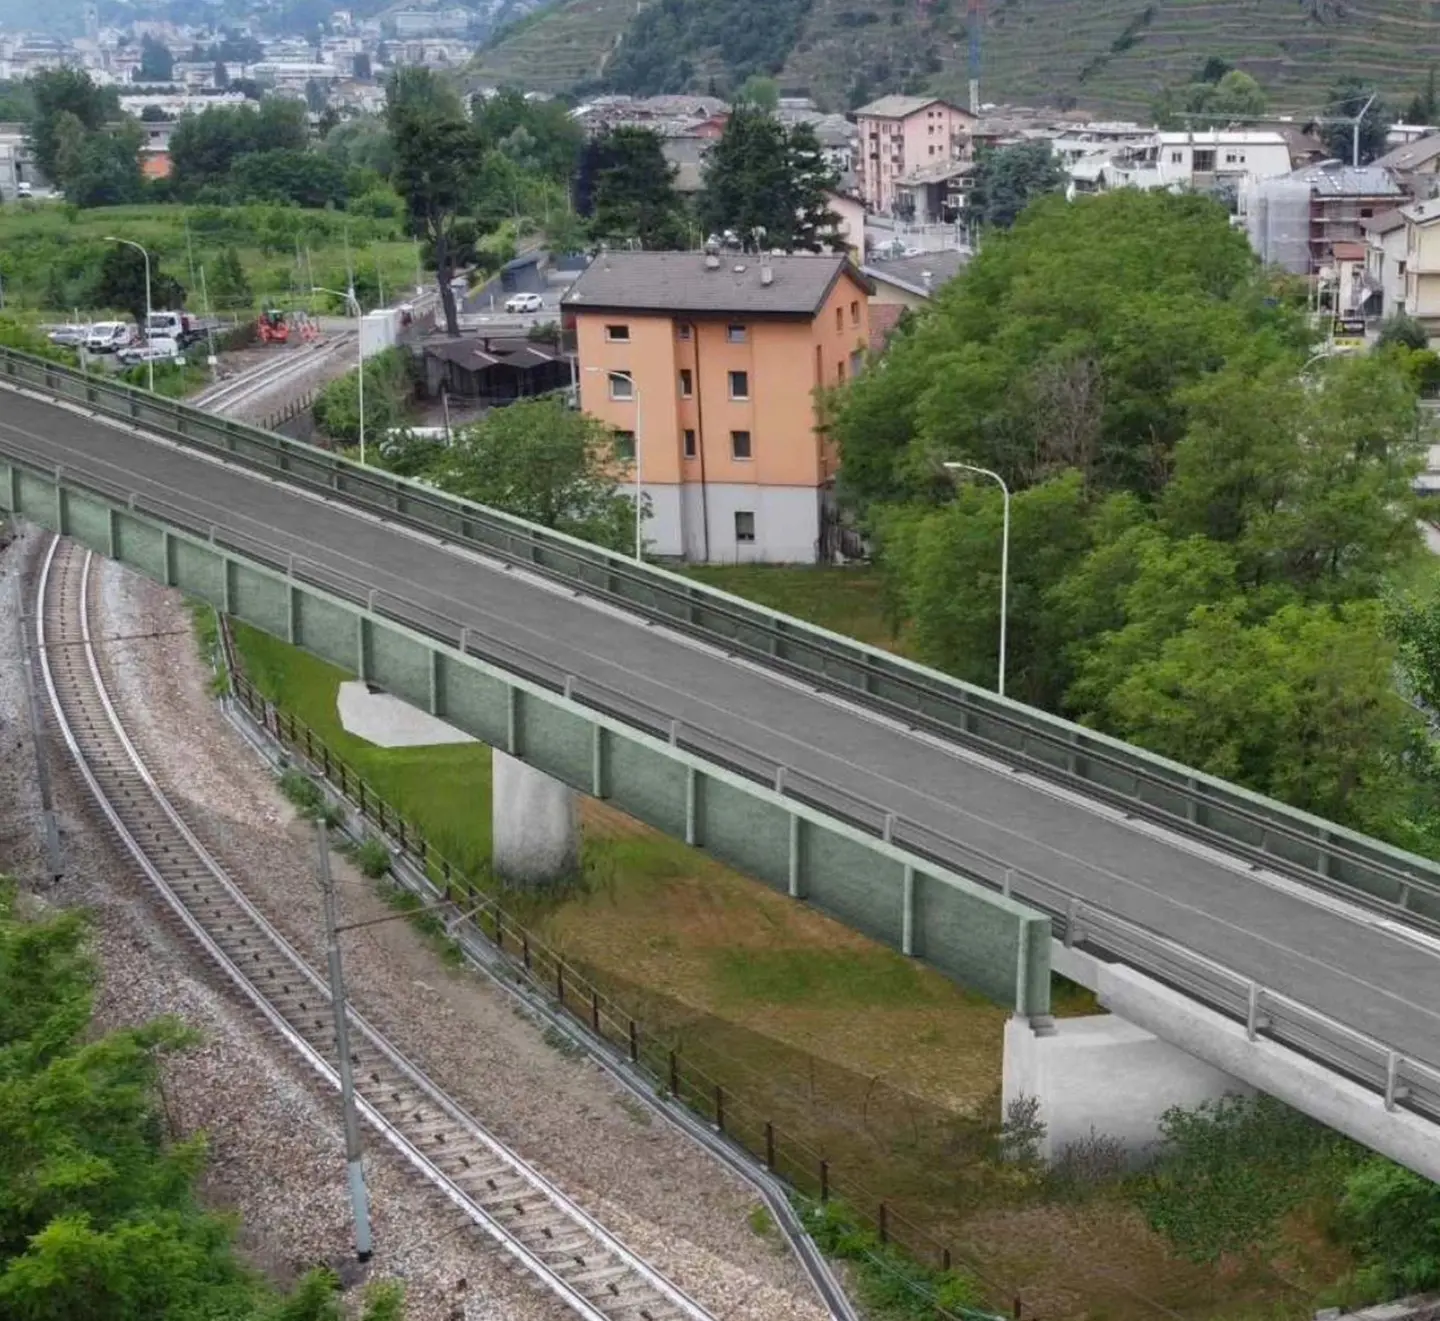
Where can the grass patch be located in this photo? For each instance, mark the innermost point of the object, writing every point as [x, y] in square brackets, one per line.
[445, 790]
[308, 798]
[424, 920]
[565, 1045]
[206, 623]
[842, 977]
[371, 857]
[848, 599]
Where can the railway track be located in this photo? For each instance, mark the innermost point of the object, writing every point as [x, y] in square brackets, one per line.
[561, 1246]
[266, 377]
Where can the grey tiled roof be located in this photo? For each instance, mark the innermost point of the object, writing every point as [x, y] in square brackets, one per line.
[910, 271]
[896, 106]
[681, 282]
[1412, 155]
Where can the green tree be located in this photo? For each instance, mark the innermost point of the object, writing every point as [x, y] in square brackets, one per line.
[122, 283]
[1069, 341]
[205, 147]
[57, 92]
[388, 392]
[157, 64]
[362, 143]
[1008, 179]
[1424, 108]
[106, 171]
[540, 135]
[1403, 331]
[943, 572]
[762, 176]
[544, 462]
[1348, 98]
[437, 155]
[302, 178]
[627, 188]
[227, 283]
[1393, 1215]
[761, 91]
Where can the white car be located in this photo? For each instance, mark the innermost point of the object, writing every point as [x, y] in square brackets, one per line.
[24, 190]
[524, 303]
[158, 348]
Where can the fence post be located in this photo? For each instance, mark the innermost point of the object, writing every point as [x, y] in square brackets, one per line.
[770, 1146]
[719, 1107]
[380, 807]
[945, 1259]
[445, 875]
[525, 948]
[309, 744]
[884, 1224]
[344, 780]
[824, 1180]
[595, 1011]
[634, 1044]
[499, 931]
[325, 761]
[560, 981]
[400, 825]
[674, 1076]
[364, 811]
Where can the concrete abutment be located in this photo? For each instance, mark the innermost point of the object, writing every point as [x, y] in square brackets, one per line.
[1101, 1077]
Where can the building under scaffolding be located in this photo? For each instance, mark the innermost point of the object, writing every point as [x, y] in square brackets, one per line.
[1277, 219]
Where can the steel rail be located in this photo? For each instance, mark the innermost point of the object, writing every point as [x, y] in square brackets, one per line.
[103, 750]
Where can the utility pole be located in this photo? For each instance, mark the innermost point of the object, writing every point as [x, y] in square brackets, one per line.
[354, 1169]
[1355, 130]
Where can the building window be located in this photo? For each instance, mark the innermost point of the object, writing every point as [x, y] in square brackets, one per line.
[618, 334]
[684, 330]
[839, 319]
[1204, 162]
[739, 444]
[625, 446]
[857, 361]
[1177, 158]
[621, 386]
[689, 442]
[687, 383]
[735, 334]
[739, 385]
[840, 371]
[855, 313]
[744, 525]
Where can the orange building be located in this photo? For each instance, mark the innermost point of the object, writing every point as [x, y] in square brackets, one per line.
[713, 362]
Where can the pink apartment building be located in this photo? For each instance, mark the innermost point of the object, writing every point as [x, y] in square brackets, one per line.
[902, 134]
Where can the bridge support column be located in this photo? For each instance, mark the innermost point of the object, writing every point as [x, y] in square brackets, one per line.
[1103, 1077]
[535, 824]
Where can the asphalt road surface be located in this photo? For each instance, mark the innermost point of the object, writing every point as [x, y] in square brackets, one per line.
[1383, 984]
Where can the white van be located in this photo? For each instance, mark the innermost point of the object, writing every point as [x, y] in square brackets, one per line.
[108, 336]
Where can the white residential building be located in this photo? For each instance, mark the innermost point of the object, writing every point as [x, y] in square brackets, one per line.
[1385, 263]
[1202, 159]
[1422, 262]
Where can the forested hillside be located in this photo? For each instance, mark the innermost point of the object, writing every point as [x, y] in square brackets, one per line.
[1110, 54]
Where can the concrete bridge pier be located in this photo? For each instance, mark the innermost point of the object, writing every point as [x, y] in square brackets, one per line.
[535, 824]
[1101, 1076]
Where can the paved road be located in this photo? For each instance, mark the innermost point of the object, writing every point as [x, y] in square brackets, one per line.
[1379, 983]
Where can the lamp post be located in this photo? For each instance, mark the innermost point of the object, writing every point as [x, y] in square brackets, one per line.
[352, 301]
[639, 491]
[130, 243]
[1004, 557]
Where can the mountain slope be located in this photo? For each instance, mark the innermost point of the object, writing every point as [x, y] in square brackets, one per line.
[1106, 54]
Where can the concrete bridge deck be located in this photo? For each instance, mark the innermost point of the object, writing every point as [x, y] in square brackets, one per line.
[1352, 966]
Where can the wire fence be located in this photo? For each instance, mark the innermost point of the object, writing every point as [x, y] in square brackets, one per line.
[801, 1165]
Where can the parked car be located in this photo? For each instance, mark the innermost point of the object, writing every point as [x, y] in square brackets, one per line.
[524, 303]
[24, 190]
[69, 335]
[158, 348]
[108, 336]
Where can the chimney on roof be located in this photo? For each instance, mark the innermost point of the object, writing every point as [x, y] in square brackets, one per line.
[712, 253]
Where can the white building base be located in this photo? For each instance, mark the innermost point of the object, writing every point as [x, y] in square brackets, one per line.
[535, 825]
[698, 523]
[1103, 1077]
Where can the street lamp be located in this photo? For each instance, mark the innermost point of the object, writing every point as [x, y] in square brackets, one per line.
[352, 301]
[1004, 557]
[149, 359]
[639, 492]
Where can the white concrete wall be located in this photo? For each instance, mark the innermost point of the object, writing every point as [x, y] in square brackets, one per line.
[1265, 1065]
[1101, 1076]
[379, 330]
[535, 824]
[787, 522]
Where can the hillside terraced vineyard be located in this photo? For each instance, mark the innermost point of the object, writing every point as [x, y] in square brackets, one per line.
[1104, 54]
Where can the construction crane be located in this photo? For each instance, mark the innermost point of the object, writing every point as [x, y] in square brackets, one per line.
[974, 22]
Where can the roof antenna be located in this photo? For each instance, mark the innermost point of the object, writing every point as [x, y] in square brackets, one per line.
[767, 272]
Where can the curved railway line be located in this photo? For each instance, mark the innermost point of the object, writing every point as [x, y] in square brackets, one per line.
[561, 1246]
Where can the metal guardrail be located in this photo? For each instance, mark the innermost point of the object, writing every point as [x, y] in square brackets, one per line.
[1401, 1080]
[1260, 830]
